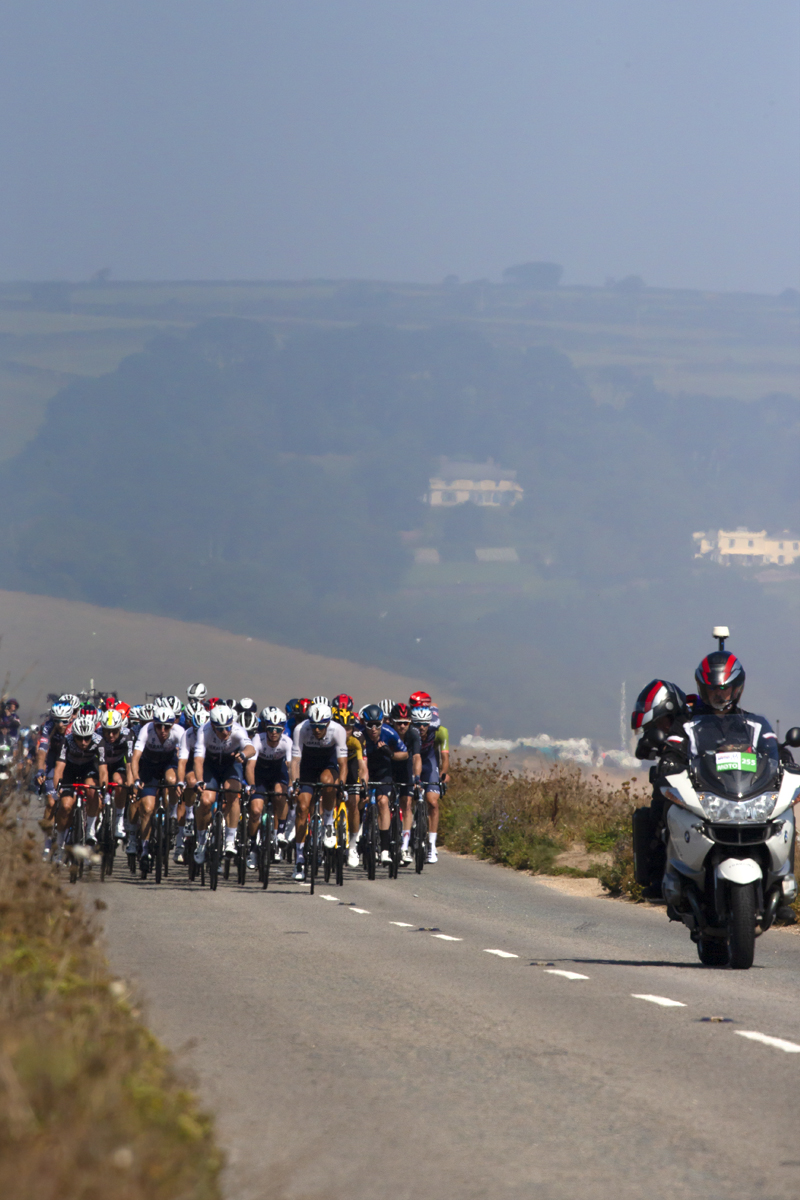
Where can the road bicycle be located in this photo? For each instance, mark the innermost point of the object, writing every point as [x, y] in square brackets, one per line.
[334, 856]
[242, 850]
[75, 844]
[314, 834]
[419, 828]
[395, 833]
[106, 837]
[268, 850]
[370, 836]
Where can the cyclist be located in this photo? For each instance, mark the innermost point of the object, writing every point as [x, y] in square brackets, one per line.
[268, 771]
[117, 749]
[48, 749]
[319, 753]
[197, 691]
[406, 772]
[79, 761]
[383, 748]
[356, 773]
[295, 713]
[155, 763]
[435, 756]
[198, 717]
[219, 753]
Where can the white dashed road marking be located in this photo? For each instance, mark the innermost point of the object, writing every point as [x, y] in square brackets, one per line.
[778, 1043]
[664, 1001]
[335, 899]
[501, 953]
[365, 911]
[403, 924]
[566, 974]
[445, 937]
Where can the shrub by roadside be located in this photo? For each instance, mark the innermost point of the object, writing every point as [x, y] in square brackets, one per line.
[526, 821]
[90, 1104]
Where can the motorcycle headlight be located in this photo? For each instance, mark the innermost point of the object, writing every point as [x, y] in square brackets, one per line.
[757, 808]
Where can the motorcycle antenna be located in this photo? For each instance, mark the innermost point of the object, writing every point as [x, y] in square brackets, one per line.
[721, 632]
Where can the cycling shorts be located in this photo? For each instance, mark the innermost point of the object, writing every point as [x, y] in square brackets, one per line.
[152, 772]
[218, 769]
[269, 772]
[76, 773]
[48, 782]
[430, 775]
[312, 765]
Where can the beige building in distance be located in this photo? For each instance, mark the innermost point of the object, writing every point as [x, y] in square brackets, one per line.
[748, 547]
[478, 483]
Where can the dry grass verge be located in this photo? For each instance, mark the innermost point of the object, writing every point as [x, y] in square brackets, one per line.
[526, 821]
[90, 1105]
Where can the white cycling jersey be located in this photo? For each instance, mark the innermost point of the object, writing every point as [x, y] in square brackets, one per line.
[151, 745]
[304, 738]
[267, 753]
[189, 743]
[208, 741]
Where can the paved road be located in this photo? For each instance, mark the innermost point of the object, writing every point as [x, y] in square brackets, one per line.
[350, 1050]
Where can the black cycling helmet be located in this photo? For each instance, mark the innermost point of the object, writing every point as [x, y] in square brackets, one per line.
[659, 699]
[720, 680]
[372, 714]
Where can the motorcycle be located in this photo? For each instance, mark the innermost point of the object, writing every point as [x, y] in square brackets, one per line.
[729, 830]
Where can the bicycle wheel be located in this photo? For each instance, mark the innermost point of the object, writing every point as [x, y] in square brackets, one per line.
[265, 847]
[341, 847]
[215, 849]
[395, 842]
[157, 842]
[314, 849]
[242, 844]
[106, 843]
[421, 826]
[369, 835]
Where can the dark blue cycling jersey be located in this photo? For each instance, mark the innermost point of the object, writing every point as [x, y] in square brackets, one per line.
[379, 754]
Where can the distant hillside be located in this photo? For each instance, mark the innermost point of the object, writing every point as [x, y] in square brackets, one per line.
[53, 645]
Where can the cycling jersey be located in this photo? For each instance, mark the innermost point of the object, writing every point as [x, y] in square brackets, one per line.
[151, 745]
[379, 756]
[403, 772]
[82, 756]
[333, 742]
[355, 750]
[189, 743]
[118, 752]
[267, 753]
[210, 743]
[51, 739]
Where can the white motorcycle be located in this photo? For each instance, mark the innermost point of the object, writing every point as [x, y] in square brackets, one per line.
[730, 831]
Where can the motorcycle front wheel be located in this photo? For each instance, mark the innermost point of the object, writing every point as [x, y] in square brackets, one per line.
[743, 925]
[712, 952]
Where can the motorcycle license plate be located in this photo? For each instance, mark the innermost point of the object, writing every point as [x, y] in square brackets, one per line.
[736, 760]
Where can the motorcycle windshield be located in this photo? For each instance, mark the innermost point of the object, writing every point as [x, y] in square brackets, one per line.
[726, 762]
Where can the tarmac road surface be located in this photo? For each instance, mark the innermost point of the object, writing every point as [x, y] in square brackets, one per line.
[467, 1033]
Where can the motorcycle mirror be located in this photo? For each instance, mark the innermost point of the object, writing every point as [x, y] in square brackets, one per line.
[792, 737]
[721, 632]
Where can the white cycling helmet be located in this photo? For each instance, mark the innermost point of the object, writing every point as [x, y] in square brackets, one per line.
[61, 711]
[176, 704]
[70, 699]
[248, 721]
[112, 719]
[222, 716]
[321, 700]
[148, 710]
[247, 704]
[83, 726]
[319, 714]
[421, 716]
[273, 718]
[163, 714]
[386, 707]
[197, 691]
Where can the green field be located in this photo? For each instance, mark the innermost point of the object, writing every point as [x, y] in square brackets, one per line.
[739, 346]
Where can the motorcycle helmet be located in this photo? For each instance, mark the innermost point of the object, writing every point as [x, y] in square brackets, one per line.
[659, 699]
[720, 681]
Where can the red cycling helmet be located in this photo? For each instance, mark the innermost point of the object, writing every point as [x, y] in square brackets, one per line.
[304, 705]
[400, 712]
[419, 700]
[343, 701]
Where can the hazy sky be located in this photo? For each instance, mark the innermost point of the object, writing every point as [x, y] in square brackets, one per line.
[402, 139]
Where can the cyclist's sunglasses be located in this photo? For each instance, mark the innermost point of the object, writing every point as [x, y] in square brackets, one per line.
[83, 737]
[163, 724]
[401, 722]
[323, 726]
[374, 724]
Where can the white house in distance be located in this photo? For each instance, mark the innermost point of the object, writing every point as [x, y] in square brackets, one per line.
[478, 483]
[748, 547]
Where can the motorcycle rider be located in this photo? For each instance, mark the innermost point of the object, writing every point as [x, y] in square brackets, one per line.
[658, 705]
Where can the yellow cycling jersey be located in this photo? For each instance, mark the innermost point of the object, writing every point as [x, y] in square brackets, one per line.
[354, 748]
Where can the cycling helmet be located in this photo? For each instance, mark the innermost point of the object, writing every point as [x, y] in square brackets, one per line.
[71, 700]
[113, 719]
[213, 702]
[304, 705]
[195, 706]
[273, 718]
[343, 716]
[197, 691]
[163, 714]
[321, 700]
[419, 700]
[222, 716]
[60, 711]
[292, 708]
[387, 706]
[176, 704]
[720, 680]
[659, 699]
[148, 710]
[200, 717]
[400, 712]
[83, 726]
[89, 710]
[248, 721]
[122, 707]
[372, 714]
[319, 714]
[246, 704]
[421, 715]
[343, 701]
